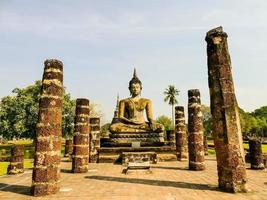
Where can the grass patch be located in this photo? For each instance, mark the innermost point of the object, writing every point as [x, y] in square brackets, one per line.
[245, 146]
[211, 151]
[24, 142]
[4, 165]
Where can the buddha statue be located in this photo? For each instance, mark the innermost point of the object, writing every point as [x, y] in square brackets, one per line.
[130, 122]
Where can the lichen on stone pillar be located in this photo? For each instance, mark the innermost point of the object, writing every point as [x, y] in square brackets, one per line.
[226, 127]
[80, 154]
[195, 131]
[181, 134]
[46, 170]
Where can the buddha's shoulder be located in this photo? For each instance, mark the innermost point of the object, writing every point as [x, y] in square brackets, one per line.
[145, 100]
[124, 100]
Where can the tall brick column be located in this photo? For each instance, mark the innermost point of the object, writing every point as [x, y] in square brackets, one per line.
[68, 148]
[181, 134]
[195, 131]
[16, 165]
[46, 171]
[225, 115]
[81, 137]
[255, 154]
[94, 139]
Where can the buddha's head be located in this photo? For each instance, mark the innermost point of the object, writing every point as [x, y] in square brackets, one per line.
[135, 85]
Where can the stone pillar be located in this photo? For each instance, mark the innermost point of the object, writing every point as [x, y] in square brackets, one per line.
[94, 140]
[172, 138]
[205, 142]
[255, 152]
[68, 148]
[46, 170]
[225, 115]
[195, 131]
[181, 134]
[17, 157]
[81, 137]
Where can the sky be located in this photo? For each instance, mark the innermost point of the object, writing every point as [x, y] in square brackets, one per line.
[101, 42]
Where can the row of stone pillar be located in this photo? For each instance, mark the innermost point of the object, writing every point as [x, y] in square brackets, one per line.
[225, 127]
[190, 146]
[86, 140]
[46, 170]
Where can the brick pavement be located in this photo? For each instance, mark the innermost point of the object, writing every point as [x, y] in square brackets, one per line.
[168, 181]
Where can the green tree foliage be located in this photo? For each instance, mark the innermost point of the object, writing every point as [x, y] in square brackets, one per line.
[261, 112]
[206, 119]
[254, 123]
[68, 114]
[170, 96]
[19, 112]
[165, 121]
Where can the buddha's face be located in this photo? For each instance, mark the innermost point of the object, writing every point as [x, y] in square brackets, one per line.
[135, 89]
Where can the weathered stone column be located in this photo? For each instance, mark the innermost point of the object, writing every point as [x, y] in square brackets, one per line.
[81, 137]
[225, 115]
[94, 140]
[181, 134]
[68, 148]
[17, 157]
[255, 152]
[195, 131]
[46, 171]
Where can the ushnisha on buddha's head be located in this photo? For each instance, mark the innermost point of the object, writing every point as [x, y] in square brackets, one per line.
[135, 85]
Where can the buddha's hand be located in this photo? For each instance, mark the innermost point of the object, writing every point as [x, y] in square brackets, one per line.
[152, 125]
[136, 122]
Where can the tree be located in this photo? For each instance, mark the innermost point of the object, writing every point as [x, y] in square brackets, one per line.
[260, 112]
[254, 123]
[206, 120]
[19, 113]
[170, 96]
[165, 121]
[68, 114]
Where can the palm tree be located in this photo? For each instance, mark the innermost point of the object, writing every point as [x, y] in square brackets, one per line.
[170, 96]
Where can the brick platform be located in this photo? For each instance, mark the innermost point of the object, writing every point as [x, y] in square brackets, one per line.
[168, 180]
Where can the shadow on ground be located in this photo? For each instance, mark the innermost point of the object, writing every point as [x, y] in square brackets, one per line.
[176, 184]
[19, 189]
[66, 171]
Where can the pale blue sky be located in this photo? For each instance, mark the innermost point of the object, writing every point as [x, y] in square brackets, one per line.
[100, 42]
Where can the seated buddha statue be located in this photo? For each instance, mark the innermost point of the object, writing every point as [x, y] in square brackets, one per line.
[131, 112]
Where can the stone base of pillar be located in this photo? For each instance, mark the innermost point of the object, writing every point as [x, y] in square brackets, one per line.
[256, 157]
[43, 189]
[233, 188]
[182, 157]
[79, 164]
[15, 168]
[16, 165]
[196, 166]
